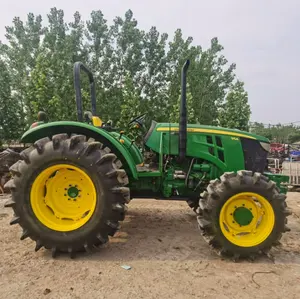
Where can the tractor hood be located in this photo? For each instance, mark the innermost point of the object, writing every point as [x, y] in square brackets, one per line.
[157, 128]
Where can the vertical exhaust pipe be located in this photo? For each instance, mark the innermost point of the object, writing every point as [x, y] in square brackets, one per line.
[79, 66]
[183, 114]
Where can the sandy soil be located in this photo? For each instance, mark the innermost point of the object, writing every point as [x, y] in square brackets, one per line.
[168, 259]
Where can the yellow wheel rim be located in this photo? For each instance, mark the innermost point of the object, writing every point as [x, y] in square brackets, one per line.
[247, 219]
[63, 197]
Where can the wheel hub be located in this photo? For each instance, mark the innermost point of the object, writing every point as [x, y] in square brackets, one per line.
[63, 197]
[246, 219]
[73, 192]
[243, 216]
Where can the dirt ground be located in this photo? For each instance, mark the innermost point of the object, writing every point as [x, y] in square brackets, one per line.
[168, 258]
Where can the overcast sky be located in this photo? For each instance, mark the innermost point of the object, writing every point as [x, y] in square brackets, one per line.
[261, 36]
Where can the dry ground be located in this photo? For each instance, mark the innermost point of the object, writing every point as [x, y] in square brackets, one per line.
[169, 259]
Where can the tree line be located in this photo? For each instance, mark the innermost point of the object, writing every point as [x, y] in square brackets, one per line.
[136, 71]
[277, 133]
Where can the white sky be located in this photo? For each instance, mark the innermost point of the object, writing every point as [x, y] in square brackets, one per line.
[261, 37]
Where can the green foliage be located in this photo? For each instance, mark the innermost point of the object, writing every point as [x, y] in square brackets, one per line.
[236, 112]
[130, 99]
[174, 116]
[9, 117]
[136, 71]
[210, 81]
[279, 133]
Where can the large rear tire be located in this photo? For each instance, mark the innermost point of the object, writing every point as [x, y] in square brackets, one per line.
[242, 214]
[68, 194]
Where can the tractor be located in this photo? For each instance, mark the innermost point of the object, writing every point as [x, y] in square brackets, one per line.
[70, 187]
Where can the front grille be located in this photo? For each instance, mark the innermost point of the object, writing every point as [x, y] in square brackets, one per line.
[255, 156]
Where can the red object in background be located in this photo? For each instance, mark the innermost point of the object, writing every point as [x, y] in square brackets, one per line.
[277, 148]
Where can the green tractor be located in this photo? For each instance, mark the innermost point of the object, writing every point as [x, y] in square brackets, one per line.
[70, 188]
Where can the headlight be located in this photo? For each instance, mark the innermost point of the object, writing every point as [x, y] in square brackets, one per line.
[266, 146]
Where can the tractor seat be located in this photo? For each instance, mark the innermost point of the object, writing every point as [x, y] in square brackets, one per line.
[97, 122]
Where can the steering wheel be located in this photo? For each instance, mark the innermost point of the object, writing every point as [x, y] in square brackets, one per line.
[139, 120]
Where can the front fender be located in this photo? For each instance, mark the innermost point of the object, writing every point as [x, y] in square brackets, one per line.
[70, 127]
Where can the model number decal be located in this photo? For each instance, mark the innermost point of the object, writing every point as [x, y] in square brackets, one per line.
[234, 138]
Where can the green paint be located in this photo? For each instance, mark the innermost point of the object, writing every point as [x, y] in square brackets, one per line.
[131, 147]
[280, 180]
[57, 127]
[242, 216]
[198, 146]
[149, 174]
[149, 183]
[221, 130]
[73, 192]
[201, 167]
[214, 152]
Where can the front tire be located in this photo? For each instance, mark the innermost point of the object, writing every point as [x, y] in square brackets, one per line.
[68, 194]
[242, 214]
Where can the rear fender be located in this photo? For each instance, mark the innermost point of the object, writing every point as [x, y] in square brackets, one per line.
[69, 127]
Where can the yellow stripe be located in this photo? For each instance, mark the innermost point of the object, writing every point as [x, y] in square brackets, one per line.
[210, 131]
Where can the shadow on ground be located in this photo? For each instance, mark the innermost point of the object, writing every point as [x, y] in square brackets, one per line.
[164, 231]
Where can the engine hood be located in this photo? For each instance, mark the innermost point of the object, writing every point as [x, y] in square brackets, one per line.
[166, 127]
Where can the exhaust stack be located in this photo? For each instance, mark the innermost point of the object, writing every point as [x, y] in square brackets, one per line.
[79, 66]
[183, 114]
